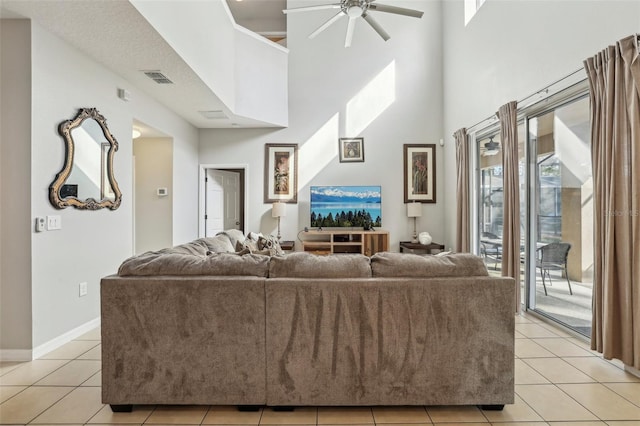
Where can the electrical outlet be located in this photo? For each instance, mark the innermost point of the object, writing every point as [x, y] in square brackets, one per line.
[83, 289]
[54, 222]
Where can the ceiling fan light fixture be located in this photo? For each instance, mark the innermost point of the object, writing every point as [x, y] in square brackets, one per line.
[355, 11]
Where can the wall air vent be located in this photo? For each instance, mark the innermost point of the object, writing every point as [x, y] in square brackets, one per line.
[158, 77]
[214, 115]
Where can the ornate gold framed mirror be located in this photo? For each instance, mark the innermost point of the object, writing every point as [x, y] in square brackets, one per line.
[86, 180]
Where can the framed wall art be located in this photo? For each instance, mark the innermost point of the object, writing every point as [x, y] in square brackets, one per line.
[281, 173]
[351, 150]
[420, 173]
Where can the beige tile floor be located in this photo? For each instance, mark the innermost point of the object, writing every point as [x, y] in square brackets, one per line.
[559, 382]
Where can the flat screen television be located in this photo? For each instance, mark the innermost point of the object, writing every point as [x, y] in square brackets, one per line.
[346, 206]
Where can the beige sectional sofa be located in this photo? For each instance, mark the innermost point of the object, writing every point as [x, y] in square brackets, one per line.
[191, 326]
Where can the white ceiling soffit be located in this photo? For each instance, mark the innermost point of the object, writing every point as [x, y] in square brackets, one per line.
[115, 34]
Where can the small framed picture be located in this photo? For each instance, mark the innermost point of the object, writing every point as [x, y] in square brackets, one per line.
[351, 150]
[281, 173]
[420, 173]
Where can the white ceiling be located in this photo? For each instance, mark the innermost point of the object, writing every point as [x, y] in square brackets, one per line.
[115, 34]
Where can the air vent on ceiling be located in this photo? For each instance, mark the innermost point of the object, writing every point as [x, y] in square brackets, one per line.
[214, 115]
[158, 77]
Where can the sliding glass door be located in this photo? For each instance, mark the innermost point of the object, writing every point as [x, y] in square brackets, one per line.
[561, 221]
[490, 203]
[556, 210]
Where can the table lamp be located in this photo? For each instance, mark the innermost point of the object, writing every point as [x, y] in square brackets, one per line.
[278, 210]
[414, 210]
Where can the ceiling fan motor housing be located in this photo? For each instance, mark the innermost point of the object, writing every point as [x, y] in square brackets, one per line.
[354, 8]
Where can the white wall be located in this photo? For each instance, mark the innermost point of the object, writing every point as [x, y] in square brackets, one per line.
[15, 170]
[154, 213]
[91, 244]
[337, 92]
[512, 49]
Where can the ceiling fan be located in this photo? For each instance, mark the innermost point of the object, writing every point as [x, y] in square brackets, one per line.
[490, 148]
[355, 9]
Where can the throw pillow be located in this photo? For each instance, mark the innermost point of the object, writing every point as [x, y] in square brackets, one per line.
[271, 244]
[247, 244]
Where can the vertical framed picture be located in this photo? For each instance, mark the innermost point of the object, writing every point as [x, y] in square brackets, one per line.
[351, 150]
[419, 173]
[281, 173]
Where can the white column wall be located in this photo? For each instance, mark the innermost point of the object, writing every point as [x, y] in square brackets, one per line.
[15, 173]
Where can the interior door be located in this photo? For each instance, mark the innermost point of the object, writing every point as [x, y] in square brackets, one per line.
[222, 201]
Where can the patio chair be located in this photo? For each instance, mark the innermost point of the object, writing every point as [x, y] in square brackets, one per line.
[553, 257]
[490, 251]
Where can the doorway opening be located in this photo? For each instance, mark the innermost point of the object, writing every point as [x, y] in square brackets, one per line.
[222, 198]
[152, 189]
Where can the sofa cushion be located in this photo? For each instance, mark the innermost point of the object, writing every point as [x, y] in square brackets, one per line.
[196, 248]
[307, 265]
[216, 264]
[423, 266]
[218, 244]
[234, 235]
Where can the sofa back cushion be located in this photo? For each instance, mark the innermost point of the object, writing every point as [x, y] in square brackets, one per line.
[387, 264]
[307, 265]
[215, 264]
[218, 244]
[234, 235]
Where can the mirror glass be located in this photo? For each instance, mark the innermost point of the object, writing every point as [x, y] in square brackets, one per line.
[87, 180]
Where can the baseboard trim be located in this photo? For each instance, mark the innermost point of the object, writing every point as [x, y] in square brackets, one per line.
[629, 369]
[45, 348]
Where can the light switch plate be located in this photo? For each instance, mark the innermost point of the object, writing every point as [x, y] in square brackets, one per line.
[54, 222]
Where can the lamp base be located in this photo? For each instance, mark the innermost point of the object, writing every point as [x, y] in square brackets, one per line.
[414, 241]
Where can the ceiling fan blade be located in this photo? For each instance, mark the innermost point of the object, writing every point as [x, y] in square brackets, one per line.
[326, 25]
[397, 10]
[310, 8]
[350, 29]
[374, 24]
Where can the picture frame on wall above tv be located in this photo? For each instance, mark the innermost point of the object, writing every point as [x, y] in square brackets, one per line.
[346, 206]
[351, 150]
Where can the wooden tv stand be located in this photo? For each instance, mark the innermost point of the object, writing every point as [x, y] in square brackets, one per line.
[345, 241]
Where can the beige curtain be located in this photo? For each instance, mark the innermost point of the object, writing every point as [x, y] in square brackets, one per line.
[614, 79]
[463, 220]
[511, 195]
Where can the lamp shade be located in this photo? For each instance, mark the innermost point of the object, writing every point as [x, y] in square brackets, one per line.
[414, 209]
[278, 210]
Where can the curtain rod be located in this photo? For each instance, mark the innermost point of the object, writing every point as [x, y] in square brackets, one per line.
[544, 90]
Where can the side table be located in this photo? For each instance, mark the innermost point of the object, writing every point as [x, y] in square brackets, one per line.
[287, 245]
[428, 248]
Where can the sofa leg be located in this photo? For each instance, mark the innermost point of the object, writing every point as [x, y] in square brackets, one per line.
[125, 408]
[249, 408]
[282, 408]
[490, 407]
